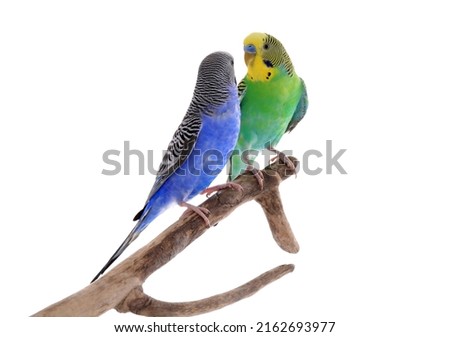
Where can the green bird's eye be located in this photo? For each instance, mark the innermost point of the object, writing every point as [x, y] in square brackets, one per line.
[266, 46]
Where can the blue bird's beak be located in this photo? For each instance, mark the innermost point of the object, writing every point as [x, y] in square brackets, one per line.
[250, 48]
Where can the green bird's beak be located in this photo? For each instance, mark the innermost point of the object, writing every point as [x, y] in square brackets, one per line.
[250, 52]
[250, 48]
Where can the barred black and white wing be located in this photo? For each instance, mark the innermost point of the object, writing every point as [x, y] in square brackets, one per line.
[179, 149]
[242, 87]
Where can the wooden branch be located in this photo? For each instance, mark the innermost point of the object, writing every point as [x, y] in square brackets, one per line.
[121, 287]
[140, 303]
[279, 225]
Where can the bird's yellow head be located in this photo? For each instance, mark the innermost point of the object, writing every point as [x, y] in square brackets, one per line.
[265, 56]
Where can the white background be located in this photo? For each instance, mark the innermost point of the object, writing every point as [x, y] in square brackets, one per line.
[79, 78]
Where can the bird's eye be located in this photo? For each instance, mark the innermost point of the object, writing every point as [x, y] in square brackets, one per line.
[266, 46]
[232, 62]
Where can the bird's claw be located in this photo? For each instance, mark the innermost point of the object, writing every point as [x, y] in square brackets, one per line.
[200, 211]
[258, 175]
[286, 161]
[217, 188]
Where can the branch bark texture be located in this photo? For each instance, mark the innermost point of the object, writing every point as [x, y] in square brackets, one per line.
[121, 287]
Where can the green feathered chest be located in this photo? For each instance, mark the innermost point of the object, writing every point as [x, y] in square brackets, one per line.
[267, 108]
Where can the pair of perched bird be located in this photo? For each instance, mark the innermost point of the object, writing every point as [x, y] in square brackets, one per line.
[222, 117]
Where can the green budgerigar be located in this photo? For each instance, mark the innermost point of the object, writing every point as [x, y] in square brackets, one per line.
[273, 101]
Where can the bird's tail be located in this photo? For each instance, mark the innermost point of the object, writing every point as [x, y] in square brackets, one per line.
[130, 238]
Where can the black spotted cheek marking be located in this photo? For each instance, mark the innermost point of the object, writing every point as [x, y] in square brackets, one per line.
[268, 75]
[268, 63]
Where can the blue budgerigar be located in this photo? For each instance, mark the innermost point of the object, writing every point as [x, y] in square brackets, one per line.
[199, 149]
